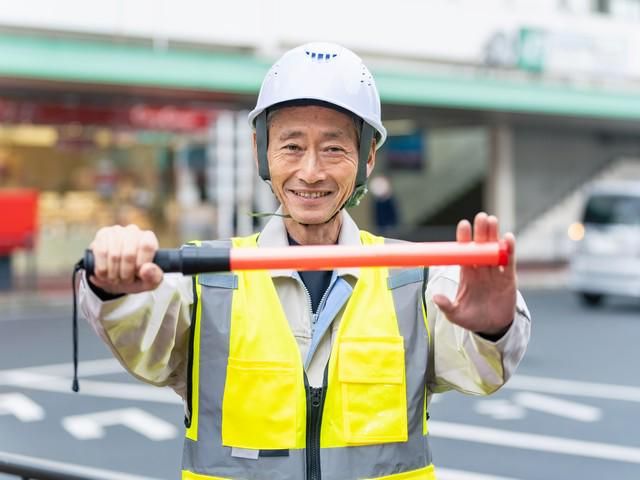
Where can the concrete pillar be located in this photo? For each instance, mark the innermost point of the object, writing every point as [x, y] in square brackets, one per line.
[225, 173]
[500, 184]
[245, 175]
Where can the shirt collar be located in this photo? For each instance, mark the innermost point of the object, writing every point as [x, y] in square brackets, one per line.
[274, 234]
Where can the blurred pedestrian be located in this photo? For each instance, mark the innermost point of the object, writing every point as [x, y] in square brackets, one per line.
[385, 212]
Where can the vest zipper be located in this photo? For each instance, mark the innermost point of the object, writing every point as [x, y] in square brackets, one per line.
[315, 401]
[315, 405]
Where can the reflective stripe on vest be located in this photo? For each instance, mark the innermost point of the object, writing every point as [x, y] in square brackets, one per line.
[248, 382]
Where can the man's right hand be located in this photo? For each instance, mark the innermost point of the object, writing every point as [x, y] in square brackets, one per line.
[123, 257]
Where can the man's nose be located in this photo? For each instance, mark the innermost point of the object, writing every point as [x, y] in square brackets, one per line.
[311, 170]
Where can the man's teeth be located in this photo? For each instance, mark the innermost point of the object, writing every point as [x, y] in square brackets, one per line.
[311, 194]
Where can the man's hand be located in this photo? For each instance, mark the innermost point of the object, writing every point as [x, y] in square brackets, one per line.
[123, 258]
[486, 298]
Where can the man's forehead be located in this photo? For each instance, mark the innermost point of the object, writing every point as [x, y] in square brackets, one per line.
[308, 112]
[293, 121]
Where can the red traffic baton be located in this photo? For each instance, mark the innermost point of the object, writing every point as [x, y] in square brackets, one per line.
[191, 260]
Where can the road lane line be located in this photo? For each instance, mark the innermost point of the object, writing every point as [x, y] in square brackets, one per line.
[530, 441]
[126, 391]
[576, 388]
[91, 426]
[88, 368]
[109, 366]
[21, 407]
[556, 406]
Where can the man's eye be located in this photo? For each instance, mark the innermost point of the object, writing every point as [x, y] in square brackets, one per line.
[292, 147]
[336, 150]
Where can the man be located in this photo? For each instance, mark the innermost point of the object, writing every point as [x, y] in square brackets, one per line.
[289, 375]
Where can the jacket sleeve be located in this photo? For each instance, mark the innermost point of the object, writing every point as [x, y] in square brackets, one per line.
[462, 360]
[147, 332]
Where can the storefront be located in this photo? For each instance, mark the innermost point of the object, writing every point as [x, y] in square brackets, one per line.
[101, 160]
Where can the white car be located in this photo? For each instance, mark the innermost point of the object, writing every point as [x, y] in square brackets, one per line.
[607, 256]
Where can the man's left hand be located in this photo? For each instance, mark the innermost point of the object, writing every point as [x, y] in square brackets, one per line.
[486, 298]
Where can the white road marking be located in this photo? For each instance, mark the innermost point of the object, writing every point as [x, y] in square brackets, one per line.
[518, 382]
[500, 409]
[530, 441]
[572, 387]
[88, 368]
[91, 426]
[21, 407]
[449, 474]
[127, 391]
[556, 406]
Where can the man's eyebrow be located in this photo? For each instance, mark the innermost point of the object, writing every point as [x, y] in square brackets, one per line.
[290, 134]
[332, 134]
[329, 134]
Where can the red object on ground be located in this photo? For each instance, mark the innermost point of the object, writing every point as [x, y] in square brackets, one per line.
[323, 257]
[18, 219]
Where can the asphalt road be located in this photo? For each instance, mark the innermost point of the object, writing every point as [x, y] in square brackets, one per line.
[572, 411]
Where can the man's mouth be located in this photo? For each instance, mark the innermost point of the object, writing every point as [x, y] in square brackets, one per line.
[310, 195]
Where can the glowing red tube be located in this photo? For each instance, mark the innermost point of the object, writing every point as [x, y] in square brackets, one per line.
[328, 257]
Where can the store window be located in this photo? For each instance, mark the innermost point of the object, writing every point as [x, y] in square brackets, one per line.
[94, 166]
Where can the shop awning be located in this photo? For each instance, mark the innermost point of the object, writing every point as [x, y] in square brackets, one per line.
[75, 60]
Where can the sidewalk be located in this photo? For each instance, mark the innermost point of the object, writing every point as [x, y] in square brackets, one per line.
[48, 292]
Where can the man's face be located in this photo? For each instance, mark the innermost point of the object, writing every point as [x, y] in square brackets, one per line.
[313, 160]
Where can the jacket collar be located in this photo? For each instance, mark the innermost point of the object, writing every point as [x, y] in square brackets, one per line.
[274, 234]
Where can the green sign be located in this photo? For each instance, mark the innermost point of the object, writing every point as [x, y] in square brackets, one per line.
[531, 49]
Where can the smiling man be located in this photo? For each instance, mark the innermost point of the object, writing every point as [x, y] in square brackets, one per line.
[289, 375]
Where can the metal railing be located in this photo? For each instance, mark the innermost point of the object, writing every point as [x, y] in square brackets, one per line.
[30, 468]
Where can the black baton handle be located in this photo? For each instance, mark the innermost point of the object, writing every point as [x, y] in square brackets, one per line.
[187, 260]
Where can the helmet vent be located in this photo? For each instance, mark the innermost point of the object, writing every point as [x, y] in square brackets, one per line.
[366, 76]
[320, 57]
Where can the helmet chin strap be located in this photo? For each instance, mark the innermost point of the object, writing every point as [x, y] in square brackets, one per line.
[367, 133]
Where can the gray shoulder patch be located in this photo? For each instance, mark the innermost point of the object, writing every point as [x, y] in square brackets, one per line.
[219, 280]
[405, 277]
[216, 243]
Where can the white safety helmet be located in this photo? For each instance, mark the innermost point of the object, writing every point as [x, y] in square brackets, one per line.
[325, 74]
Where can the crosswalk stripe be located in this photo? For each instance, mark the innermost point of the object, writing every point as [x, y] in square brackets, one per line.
[531, 441]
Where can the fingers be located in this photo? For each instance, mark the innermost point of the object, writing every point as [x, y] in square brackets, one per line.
[129, 254]
[511, 243]
[463, 231]
[493, 230]
[114, 253]
[150, 275]
[443, 303]
[122, 260]
[99, 247]
[485, 229]
[147, 247]
[481, 227]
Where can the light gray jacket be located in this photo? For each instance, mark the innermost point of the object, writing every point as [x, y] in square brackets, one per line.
[149, 332]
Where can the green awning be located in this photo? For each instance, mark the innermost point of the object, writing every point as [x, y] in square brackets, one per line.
[62, 59]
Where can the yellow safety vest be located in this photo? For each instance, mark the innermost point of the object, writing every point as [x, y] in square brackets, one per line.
[264, 400]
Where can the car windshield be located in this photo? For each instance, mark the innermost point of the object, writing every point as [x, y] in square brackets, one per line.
[613, 209]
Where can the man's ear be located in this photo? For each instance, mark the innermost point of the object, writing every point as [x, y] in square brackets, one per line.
[371, 161]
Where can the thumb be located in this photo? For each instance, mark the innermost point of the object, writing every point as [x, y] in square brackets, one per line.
[150, 274]
[443, 303]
